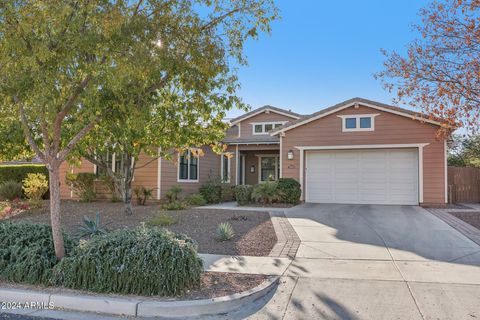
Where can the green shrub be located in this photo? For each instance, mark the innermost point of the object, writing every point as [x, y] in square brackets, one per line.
[175, 205]
[144, 261]
[92, 227]
[18, 173]
[265, 192]
[110, 185]
[35, 185]
[289, 190]
[212, 190]
[225, 231]
[27, 253]
[83, 184]
[196, 200]
[173, 195]
[243, 194]
[162, 220]
[142, 194]
[228, 192]
[10, 190]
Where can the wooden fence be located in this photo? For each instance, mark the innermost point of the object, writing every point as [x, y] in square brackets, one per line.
[463, 184]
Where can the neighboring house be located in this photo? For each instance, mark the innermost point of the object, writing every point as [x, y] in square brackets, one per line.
[358, 151]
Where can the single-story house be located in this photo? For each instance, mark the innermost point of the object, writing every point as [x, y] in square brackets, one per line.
[357, 151]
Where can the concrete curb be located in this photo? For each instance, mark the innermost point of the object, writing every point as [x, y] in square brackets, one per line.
[140, 307]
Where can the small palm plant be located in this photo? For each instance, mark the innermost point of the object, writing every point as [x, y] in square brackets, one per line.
[225, 231]
[92, 227]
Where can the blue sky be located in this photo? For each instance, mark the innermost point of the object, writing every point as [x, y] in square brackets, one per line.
[323, 52]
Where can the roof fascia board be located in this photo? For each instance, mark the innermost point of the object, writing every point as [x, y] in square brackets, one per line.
[340, 108]
[264, 110]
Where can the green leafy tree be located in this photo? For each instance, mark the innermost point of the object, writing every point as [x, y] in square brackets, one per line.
[68, 67]
[189, 108]
[464, 151]
[13, 145]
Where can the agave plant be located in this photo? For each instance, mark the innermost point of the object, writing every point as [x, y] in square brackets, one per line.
[92, 227]
[225, 231]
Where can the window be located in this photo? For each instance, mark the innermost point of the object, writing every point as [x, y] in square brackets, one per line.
[269, 168]
[109, 159]
[265, 127]
[366, 122]
[187, 167]
[361, 122]
[350, 123]
[225, 168]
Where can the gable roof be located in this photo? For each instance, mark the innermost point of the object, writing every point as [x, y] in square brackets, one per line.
[351, 102]
[254, 112]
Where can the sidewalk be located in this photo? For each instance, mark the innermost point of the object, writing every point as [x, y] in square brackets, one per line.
[234, 206]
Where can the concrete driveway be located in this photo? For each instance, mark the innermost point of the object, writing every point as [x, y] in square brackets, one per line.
[375, 232]
[374, 262]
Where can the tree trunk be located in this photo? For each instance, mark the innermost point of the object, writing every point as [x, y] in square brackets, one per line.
[127, 178]
[54, 179]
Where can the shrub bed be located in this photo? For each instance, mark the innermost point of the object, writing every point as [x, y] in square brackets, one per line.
[243, 194]
[10, 190]
[266, 192]
[138, 261]
[18, 173]
[27, 253]
[289, 190]
[83, 184]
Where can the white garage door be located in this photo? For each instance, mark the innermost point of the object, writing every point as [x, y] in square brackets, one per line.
[372, 176]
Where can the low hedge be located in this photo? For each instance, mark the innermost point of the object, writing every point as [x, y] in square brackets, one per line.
[19, 172]
[27, 253]
[289, 190]
[243, 194]
[138, 261]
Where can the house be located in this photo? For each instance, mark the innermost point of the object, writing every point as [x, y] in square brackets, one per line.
[357, 151]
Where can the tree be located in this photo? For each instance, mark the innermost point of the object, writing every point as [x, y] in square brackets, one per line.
[464, 151]
[68, 65]
[13, 146]
[440, 72]
[162, 130]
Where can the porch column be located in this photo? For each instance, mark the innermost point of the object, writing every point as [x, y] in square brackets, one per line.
[236, 164]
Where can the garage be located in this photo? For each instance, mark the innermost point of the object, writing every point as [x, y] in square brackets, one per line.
[364, 176]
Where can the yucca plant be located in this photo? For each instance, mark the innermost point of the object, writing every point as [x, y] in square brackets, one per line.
[92, 227]
[225, 231]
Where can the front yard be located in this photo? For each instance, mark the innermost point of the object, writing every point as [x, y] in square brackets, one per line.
[254, 232]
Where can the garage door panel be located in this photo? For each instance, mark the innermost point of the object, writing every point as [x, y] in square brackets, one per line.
[377, 176]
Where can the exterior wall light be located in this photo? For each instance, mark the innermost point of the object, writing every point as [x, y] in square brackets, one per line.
[290, 155]
[252, 168]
